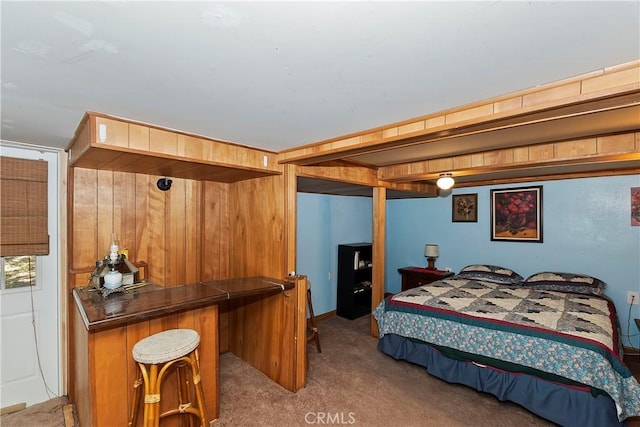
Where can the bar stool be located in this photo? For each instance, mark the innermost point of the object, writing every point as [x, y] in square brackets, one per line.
[311, 323]
[155, 355]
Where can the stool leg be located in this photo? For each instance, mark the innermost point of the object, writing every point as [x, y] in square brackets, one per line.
[184, 392]
[152, 381]
[197, 384]
[135, 405]
[152, 399]
[186, 406]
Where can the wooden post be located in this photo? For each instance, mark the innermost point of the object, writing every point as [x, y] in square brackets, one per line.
[378, 249]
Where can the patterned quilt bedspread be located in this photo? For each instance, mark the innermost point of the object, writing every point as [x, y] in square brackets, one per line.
[570, 335]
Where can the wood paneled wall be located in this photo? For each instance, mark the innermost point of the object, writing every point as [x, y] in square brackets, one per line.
[215, 253]
[183, 233]
[258, 227]
[196, 231]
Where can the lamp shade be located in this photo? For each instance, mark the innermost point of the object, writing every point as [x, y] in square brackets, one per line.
[445, 181]
[431, 251]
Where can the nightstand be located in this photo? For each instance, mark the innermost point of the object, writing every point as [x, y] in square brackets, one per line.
[416, 276]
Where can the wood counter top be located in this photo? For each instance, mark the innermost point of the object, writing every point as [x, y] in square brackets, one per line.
[102, 312]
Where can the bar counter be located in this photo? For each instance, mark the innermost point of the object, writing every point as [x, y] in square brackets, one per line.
[149, 301]
[265, 322]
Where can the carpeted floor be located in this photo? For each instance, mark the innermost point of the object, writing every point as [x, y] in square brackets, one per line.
[351, 382]
[46, 414]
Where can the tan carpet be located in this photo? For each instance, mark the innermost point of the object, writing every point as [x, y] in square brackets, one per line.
[352, 383]
[45, 414]
[349, 383]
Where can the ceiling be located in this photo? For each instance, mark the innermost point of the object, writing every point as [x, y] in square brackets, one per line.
[277, 75]
[324, 186]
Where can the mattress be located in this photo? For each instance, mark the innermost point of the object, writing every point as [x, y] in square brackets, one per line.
[562, 337]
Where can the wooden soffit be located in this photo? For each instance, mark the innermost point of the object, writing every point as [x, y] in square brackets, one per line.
[583, 126]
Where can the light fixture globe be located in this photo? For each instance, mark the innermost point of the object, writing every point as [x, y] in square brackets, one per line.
[445, 181]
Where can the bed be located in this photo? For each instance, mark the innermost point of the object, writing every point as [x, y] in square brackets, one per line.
[550, 343]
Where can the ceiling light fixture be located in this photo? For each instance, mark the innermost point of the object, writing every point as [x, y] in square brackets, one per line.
[445, 181]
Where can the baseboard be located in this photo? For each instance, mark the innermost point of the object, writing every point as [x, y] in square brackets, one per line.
[69, 418]
[325, 316]
[13, 408]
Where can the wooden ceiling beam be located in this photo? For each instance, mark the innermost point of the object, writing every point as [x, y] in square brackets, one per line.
[614, 87]
[346, 173]
[609, 153]
[482, 180]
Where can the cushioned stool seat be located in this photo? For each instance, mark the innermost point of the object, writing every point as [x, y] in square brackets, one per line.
[155, 355]
[165, 346]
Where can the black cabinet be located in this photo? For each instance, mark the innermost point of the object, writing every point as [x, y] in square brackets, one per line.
[354, 280]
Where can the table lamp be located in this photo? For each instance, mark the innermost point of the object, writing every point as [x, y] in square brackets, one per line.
[431, 252]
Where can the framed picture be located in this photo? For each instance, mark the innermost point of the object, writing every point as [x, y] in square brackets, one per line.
[635, 206]
[464, 207]
[516, 214]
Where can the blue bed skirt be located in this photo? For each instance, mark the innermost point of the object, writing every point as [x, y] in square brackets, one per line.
[560, 404]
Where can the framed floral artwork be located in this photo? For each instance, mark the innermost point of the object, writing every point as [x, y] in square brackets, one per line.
[464, 207]
[516, 214]
[635, 206]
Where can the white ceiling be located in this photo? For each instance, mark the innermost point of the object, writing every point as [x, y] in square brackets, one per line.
[277, 75]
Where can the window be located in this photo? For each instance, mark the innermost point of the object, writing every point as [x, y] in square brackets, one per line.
[17, 272]
[24, 207]
[23, 220]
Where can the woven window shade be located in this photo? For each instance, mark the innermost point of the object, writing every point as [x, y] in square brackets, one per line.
[23, 207]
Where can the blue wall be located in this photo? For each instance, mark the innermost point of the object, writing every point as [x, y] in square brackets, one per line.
[586, 229]
[324, 222]
[586, 225]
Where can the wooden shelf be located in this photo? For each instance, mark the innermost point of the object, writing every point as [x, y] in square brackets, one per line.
[104, 142]
[354, 284]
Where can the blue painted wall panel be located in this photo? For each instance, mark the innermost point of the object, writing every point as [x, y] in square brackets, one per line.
[586, 225]
[323, 223]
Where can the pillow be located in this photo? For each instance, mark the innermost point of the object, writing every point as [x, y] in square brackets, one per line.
[565, 282]
[490, 273]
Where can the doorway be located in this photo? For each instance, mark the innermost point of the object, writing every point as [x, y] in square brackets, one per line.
[30, 335]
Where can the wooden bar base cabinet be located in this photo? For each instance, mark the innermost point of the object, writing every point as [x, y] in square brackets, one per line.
[105, 329]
